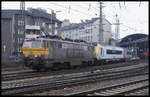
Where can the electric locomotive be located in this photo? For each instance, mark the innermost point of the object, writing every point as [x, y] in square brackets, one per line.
[105, 53]
[43, 53]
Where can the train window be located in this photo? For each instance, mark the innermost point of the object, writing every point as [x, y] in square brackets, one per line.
[36, 44]
[114, 52]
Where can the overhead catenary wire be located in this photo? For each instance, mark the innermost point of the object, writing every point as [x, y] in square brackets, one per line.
[86, 13]
[75, 10]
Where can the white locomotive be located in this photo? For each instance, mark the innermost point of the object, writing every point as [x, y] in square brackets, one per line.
[111, 53]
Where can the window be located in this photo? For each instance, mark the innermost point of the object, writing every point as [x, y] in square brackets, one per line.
[20, 22]
[21, 40]
[114, 52]
[36, 44]
[27, 44]
[20, 31]
[50, 26]
[19, 49]
[90, 48]
[43, 24]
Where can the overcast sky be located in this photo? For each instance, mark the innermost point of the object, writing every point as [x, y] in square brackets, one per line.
[133, 16]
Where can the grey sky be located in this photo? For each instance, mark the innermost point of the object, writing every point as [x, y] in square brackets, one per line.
[131, 14]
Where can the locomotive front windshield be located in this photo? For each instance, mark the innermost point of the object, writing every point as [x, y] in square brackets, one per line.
[36, 44]
[33, 44]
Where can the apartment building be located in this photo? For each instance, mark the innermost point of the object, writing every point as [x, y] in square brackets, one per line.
[88, 31]
[37, 21]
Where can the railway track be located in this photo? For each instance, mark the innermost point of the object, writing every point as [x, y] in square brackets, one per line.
[139, 91]
[115, 89]
[15, 67]
[13, 87]
[22, 74]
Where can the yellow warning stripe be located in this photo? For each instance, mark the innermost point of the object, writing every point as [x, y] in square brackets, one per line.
[36, 51]
[96, 50]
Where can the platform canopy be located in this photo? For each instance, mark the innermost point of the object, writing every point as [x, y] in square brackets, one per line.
[134, 38]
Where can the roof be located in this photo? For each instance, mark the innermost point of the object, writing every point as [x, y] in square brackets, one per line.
[72, 26]
[80, 25]
[10, 13]
[91, 21]
[133, 37]
[33, 12]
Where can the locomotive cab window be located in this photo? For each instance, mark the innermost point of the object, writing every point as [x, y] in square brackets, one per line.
[27, 44]
[36, 44]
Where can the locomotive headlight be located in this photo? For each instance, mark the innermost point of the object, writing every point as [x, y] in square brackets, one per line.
[26, 55]
[37, 55]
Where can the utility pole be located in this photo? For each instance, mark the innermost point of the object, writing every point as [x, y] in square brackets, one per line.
[100, 24]
[117, 28]
[52, 11]
[22, 28]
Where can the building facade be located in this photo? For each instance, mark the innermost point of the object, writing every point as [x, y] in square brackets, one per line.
[37, 22]
[88, 31]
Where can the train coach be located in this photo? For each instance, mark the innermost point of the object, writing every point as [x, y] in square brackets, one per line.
[42, 54]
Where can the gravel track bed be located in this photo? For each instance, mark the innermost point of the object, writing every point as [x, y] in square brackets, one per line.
[19, 66]
[89, 86]
[125, 68]
[66, 71]
[53, 77]
[141, 92]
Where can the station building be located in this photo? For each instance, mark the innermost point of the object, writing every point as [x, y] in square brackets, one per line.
[138, 44]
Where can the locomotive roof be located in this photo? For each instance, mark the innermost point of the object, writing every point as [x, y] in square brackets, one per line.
[60, 41]
[109, 46]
